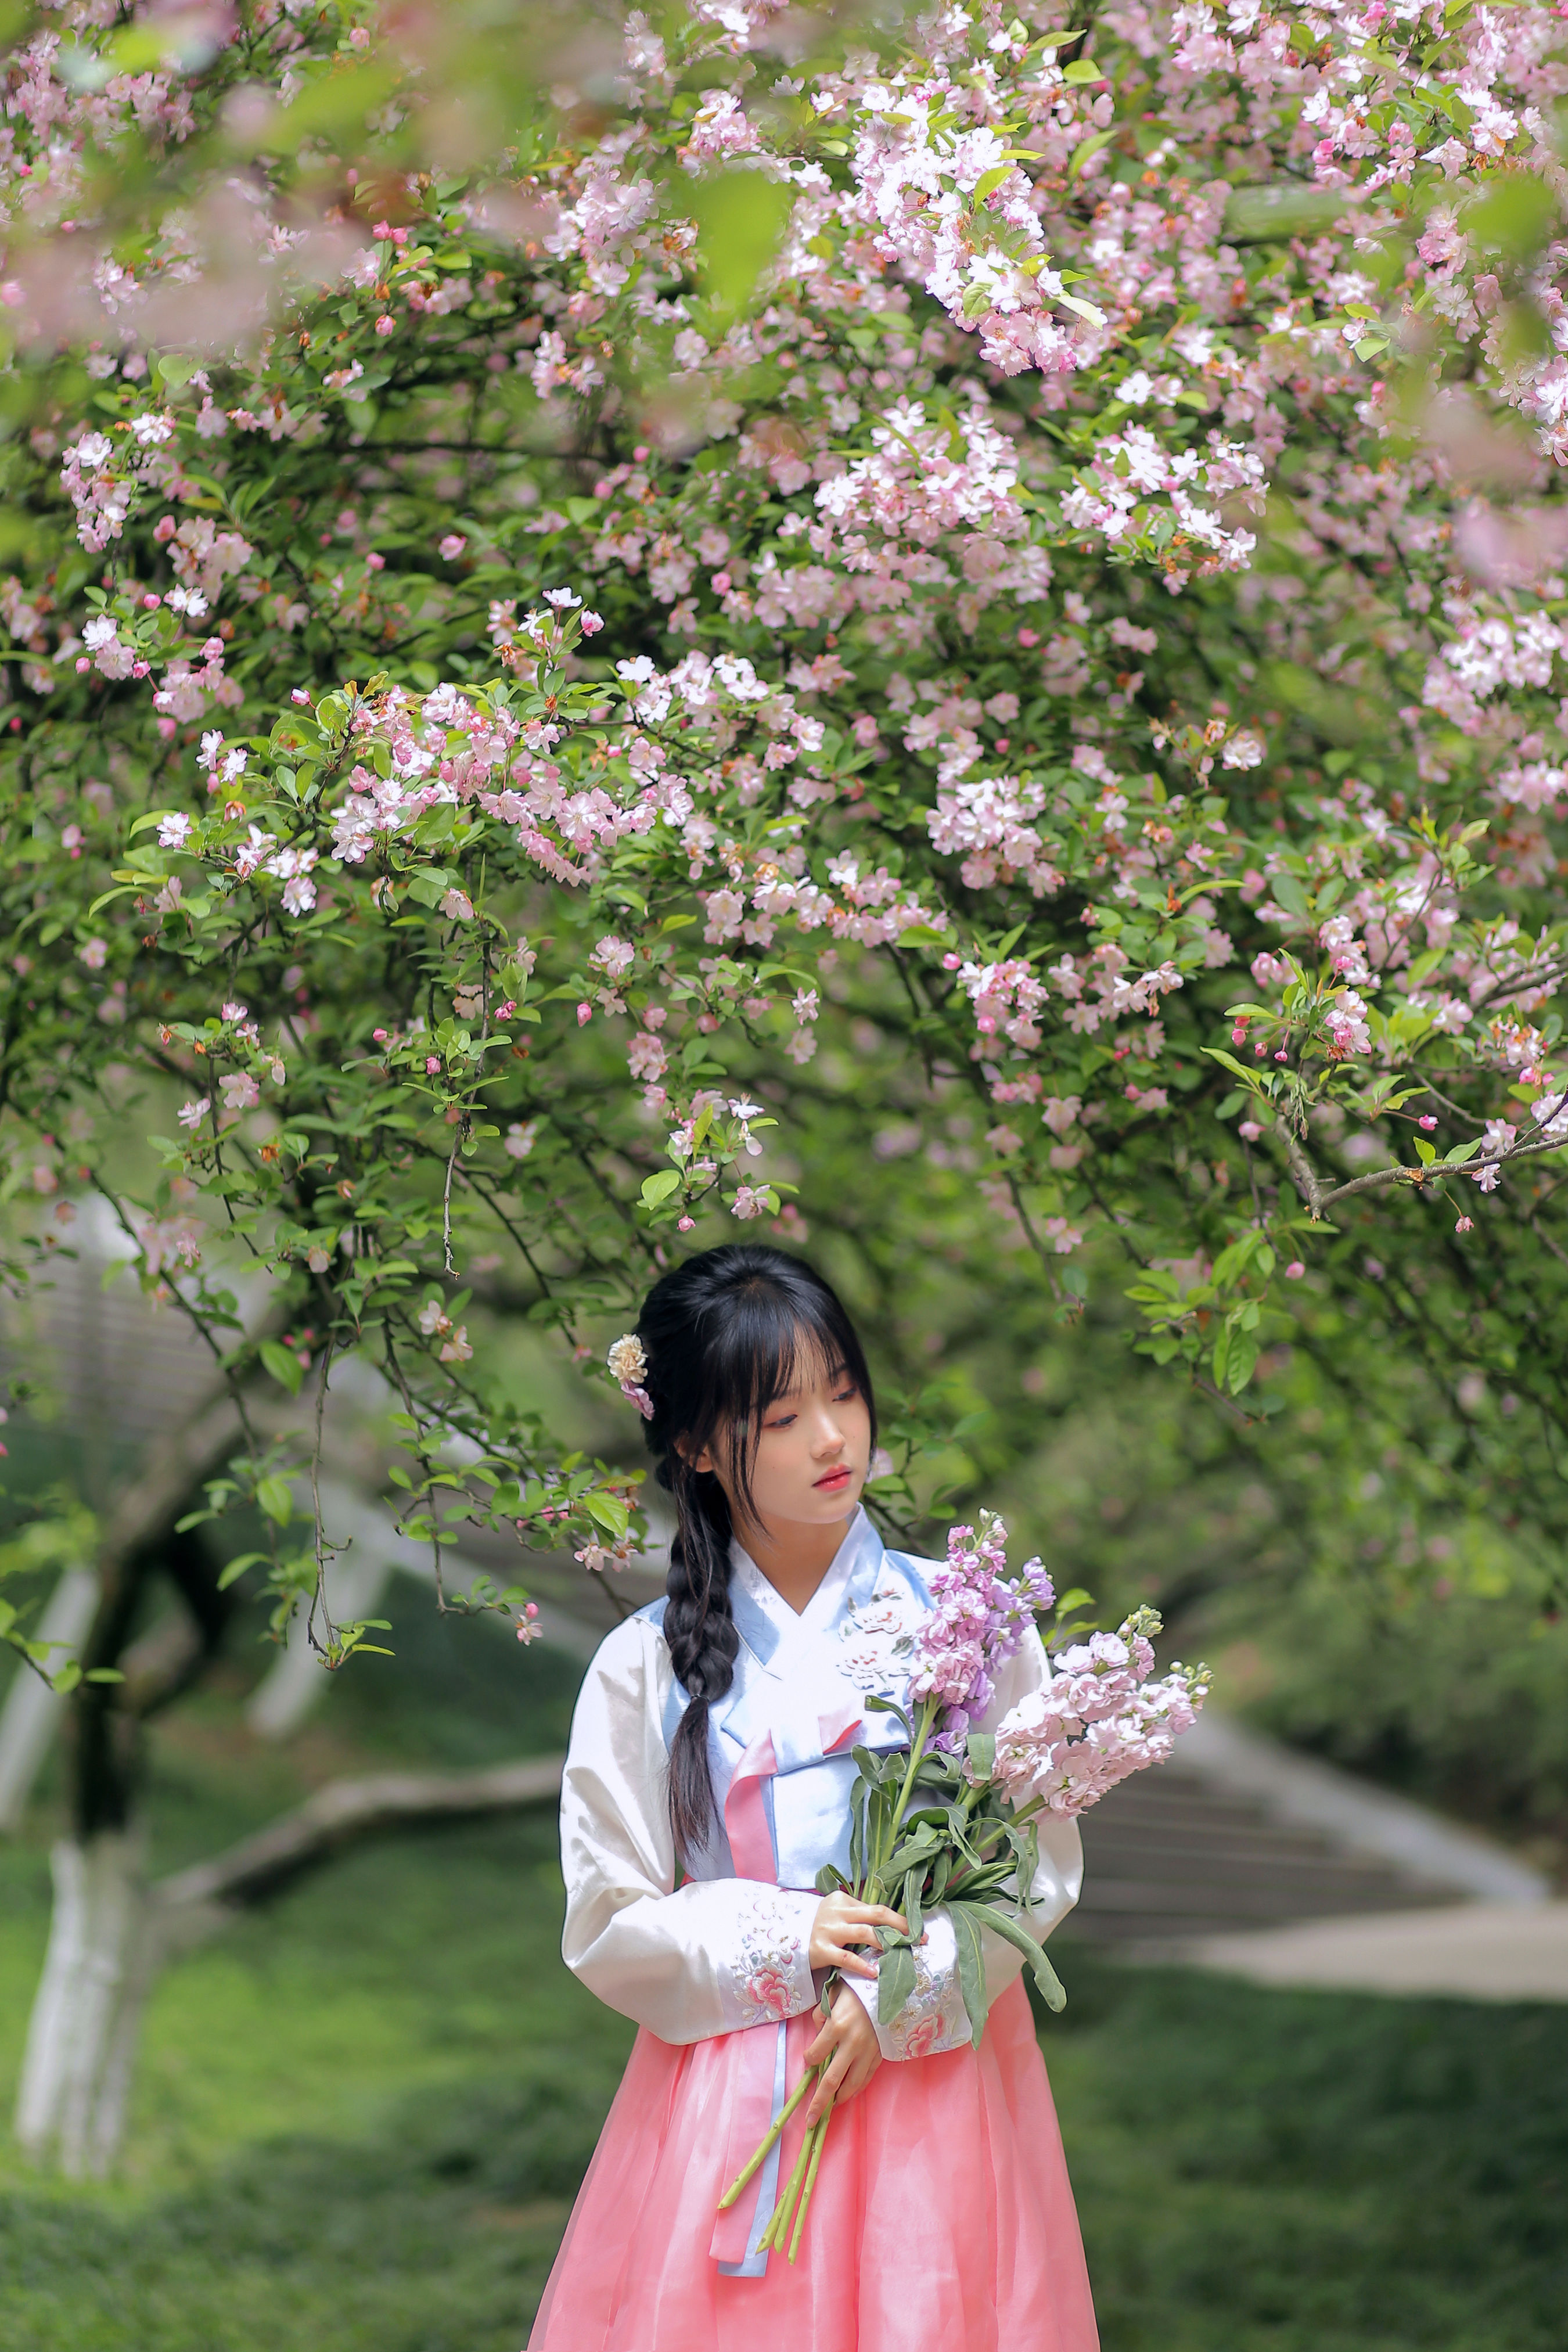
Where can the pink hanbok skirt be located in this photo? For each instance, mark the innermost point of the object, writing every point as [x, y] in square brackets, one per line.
[941, 2214]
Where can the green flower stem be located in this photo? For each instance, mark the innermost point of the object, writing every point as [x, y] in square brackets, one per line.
[760, 2158]
[817, 2134]
[928, 1716]
[773, 2237]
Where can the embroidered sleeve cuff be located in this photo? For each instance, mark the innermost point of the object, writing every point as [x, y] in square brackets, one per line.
[767, 1972]
[933, 2019]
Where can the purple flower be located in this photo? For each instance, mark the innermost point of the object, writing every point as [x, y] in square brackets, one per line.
[979, 1614]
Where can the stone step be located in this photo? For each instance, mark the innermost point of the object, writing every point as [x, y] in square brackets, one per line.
[1170, 1856]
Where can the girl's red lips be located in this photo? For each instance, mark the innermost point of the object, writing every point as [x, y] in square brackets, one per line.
[839, 1477]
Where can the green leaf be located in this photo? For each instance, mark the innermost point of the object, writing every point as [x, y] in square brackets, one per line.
[1228, 1062]
[895, 1982]
[284, 1366]
[235, 1569]
[971, 1969]
[659, 1187]
[1002, 1924]
[922, 935]
[989, 182]
[429, 884]
[276, 1500]
[740, 217]
[1087, 148]
[607, 1511]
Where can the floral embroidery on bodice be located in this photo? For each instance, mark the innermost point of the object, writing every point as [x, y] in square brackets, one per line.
[875, 1639]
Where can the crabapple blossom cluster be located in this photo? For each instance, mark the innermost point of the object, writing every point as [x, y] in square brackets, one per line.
[622, 709]
[979, 1615]
[1102, 1716]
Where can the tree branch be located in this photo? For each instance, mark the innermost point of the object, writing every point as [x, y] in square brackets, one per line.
[346, 1811]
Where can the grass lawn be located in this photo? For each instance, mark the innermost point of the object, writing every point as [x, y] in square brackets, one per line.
[362, 2113]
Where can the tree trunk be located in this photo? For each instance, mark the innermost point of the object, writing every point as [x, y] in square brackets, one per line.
[112, 1933]
[32, 1713]
[104, 1937]
[81, 2039]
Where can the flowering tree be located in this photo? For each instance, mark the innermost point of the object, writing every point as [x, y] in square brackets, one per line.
[1002, 572]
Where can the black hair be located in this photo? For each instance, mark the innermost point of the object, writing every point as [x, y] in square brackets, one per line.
[724, 1334]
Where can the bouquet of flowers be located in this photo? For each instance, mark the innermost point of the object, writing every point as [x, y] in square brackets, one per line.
[951, 1820]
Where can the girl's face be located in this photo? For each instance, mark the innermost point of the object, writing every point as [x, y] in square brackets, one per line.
[813, 1457]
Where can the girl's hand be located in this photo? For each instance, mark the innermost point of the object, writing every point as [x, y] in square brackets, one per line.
[849, 2045]
[841, 1922]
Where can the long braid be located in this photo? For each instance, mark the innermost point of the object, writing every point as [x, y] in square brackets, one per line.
[701, 1630]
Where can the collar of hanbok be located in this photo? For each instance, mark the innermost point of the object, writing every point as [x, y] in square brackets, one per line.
[796, 1705]
[802, 1674]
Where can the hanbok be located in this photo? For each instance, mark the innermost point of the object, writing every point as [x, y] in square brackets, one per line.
[941, 2214]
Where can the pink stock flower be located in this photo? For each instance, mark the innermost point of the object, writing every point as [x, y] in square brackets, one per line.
[1100, 1717]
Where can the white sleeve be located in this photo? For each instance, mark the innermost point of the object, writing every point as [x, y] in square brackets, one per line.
[934, 2018]
[690, 1962]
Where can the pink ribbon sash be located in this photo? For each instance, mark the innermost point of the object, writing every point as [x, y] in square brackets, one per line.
[753, 2106]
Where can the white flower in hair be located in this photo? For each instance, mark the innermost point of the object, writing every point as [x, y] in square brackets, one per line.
[627, 1360]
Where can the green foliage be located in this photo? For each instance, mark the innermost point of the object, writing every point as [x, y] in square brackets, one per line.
[1263, 2171]
[1019, 749]
[1255, 2170]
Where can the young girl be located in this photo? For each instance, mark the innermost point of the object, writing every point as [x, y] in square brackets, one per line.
[711, 1747]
